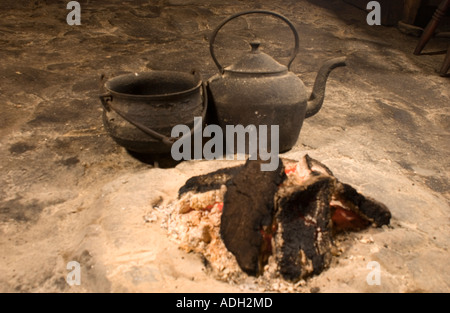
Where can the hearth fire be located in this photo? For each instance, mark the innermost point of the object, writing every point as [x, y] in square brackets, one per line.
[243, 220]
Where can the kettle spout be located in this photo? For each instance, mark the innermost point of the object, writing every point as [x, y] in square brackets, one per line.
[318, 94]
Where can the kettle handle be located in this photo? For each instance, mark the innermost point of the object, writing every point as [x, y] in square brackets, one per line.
[214, 34]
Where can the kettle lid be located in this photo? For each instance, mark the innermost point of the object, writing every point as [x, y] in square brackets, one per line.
[256, 62]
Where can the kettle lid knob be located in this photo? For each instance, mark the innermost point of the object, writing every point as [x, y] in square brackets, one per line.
[255, 46]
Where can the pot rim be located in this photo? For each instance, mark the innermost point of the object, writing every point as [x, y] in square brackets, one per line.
[151, 97]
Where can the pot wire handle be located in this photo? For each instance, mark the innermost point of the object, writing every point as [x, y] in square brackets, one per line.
[106, 100]
[214, 34]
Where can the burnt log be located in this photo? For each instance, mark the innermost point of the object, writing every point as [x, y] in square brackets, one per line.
[369, 209]
[303, 241]
[248, 212]
[210, 181]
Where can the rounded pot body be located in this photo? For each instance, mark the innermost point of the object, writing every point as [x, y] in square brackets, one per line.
[158, 100]
[261, 99]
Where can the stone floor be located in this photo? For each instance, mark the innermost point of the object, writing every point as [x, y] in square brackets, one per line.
[70, 193]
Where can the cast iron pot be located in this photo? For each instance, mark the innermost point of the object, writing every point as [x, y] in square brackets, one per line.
[141, 109]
